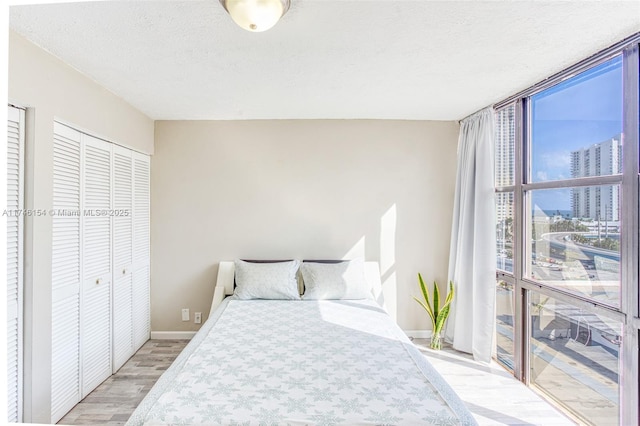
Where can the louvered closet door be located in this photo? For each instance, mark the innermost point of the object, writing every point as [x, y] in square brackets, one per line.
[15, 185]
[122, 256]
[141, 205]
[65, 279]
[96, 264]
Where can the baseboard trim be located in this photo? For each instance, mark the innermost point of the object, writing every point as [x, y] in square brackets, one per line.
[418, 334]
[172, 335]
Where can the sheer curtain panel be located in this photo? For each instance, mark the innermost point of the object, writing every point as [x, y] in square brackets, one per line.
[472, 258]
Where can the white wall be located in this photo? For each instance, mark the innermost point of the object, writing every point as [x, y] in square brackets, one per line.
[51, 89]
[298, 189]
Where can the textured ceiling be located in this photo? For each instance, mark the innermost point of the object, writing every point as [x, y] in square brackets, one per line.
[437, 60]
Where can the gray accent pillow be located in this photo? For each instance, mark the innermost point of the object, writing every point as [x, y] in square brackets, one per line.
[266, 280]
[344, 280]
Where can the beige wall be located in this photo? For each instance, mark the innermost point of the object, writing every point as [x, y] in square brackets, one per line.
[298, 189]
[252, 189]
[50, 89]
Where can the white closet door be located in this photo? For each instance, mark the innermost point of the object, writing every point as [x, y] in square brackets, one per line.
[141, 252]
[100, 276]
[96, 264]
[122, 256]
[15, 201]
[66, 273]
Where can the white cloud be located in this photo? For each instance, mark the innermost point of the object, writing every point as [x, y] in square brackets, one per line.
[556, 160]
[553, 165]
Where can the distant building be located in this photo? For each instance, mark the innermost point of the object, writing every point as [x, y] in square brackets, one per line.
[505, 160]
[601, 159]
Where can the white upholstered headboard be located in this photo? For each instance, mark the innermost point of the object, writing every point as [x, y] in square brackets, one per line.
[226, 273]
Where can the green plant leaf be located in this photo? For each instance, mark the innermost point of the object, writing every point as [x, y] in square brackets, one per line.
[425, 293]
[449, 298]
[428, 309]
[436, 300]
[427, 303]
[444, 313]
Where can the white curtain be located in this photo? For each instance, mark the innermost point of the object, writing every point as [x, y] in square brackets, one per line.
[472, 259]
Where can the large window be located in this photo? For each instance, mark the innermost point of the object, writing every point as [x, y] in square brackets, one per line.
[577, 253]
[567, 231]
[575, 358]
[576, 126]
[573, 223]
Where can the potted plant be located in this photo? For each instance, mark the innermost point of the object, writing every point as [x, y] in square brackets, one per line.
[437, 314]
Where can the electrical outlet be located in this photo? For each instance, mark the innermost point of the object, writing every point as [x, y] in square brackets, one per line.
[197, 317]
[185, 314]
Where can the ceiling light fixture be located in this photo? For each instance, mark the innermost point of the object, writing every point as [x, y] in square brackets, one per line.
[256, 15]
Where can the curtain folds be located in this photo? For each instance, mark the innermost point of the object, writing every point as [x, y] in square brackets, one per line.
[472, 259]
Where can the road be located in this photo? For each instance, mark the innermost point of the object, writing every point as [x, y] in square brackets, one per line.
[556, 241]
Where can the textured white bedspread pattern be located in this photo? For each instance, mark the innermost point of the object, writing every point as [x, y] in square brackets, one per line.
[270, 362]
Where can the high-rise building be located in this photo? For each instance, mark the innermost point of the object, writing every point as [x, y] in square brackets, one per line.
[601, 159]
[505, 147]
[505, 161]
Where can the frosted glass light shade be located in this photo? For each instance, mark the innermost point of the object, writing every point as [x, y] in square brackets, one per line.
[256, 15]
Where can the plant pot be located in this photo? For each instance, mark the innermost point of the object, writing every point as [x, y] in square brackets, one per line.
[436, 341]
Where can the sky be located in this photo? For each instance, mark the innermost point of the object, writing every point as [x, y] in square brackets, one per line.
[577, 113]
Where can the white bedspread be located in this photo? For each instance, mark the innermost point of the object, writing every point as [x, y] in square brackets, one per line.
[264, 362]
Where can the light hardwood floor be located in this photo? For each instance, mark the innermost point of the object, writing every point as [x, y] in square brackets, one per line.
[114, 400]
[492, 395]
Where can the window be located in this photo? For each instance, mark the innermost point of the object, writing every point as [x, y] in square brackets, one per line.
[573, 123]
[567, 231]
[575, 358]
[504, 182]
[504, 231]
[505, 322]
[505, 147]
[573, 250]
[505, 173]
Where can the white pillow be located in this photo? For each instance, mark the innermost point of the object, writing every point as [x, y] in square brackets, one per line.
[344, 280]
[266, 280]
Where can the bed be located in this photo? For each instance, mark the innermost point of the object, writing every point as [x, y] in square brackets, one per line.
[300, 362]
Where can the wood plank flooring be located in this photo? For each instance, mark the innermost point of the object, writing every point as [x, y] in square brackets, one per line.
[114, 400]
[492, 395]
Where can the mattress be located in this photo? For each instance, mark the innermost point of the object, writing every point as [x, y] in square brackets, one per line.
[272, 362]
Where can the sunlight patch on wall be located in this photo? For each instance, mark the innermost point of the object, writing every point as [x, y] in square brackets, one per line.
[388, 261]
[356, 251]
[388, 240]
[390, 294]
